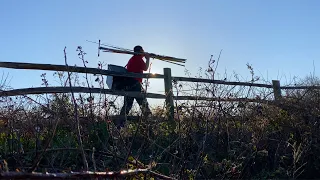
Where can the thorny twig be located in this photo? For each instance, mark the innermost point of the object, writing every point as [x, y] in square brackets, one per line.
[85, 163]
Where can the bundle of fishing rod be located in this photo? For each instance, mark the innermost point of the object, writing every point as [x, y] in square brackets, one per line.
[119, 50]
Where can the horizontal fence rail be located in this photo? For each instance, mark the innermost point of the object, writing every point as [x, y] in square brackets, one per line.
[201, 98]
[221, 82]
[52, 90]
[52, 67]
[300, 87]
[43, 90]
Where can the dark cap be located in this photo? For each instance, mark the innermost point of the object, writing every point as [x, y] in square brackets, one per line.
[138, 49]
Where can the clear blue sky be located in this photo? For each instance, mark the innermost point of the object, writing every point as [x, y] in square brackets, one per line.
[280, 38]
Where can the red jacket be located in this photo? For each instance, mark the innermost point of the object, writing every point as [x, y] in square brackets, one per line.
[136, 65]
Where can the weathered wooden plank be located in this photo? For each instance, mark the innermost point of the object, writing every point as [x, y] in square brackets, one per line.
[169, 94]
[43, 90]
[52, 67]
[276, 89]
[188, 79]
[219, 99]
[300, 87]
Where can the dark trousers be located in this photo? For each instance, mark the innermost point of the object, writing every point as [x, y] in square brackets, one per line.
[130, 84]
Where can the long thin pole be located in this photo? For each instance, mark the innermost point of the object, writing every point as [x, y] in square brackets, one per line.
[152, 55]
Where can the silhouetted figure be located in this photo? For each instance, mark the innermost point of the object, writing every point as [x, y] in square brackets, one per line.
[136, 64]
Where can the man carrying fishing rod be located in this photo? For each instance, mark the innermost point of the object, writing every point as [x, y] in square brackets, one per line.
[136, 64]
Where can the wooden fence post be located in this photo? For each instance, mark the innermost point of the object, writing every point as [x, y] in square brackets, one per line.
[169, 94]
[276, 89]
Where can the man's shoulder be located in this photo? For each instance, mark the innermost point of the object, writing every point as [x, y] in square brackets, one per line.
[136, 58]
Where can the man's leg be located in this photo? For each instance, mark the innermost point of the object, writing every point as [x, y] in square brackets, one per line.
[128, 102]
[144, 106]
[143, 103]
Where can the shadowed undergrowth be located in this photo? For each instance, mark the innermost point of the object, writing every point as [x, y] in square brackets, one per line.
[212, 139]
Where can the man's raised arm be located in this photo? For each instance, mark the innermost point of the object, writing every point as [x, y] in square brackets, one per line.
[147, 56]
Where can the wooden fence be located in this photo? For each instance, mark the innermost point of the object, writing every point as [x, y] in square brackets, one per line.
[168, 78]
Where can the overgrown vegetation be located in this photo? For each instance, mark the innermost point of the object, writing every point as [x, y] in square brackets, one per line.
[212, 139]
